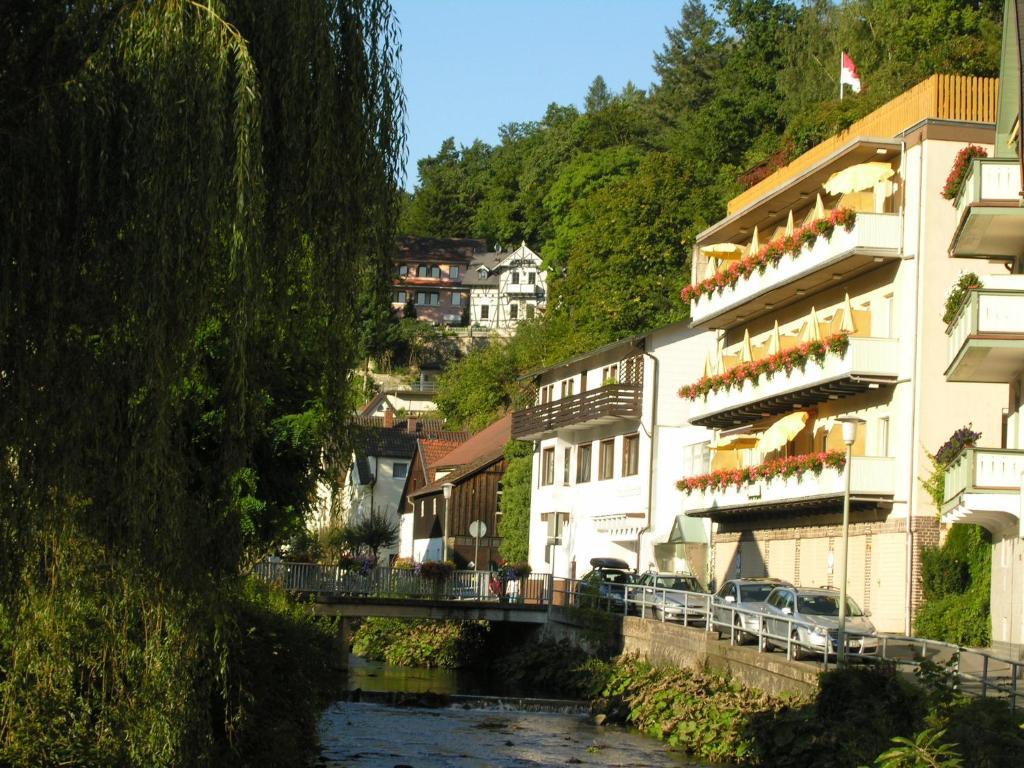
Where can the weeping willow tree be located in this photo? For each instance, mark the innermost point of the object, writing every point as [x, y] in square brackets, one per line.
[188, 190]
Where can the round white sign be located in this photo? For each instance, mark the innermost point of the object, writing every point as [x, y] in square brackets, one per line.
[478, 529]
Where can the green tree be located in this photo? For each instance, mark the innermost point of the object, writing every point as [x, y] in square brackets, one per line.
[191, 190]
[514, 526]
[598, 96]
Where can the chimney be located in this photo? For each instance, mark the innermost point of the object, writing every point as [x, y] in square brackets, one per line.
[389, 418]
[410, 425]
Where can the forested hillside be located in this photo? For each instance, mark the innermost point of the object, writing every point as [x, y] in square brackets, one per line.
[612, 195]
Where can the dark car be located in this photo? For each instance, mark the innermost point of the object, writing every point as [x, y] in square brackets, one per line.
[605, 585]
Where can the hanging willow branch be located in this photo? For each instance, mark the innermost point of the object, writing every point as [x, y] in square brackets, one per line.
[189, 192]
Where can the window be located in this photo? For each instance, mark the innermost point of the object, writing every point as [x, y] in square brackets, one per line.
[485, 311]
[421, 271]
[428, 298]
[630, 455]
[456, 299]
[547, 476]
[403, 270]
[531, 278]
[401, 297]
[568, 387]
[547, 394]
[606, 464]
[696, 459]
[883, 436]
[610, 374]
[453, 272]
[400, 469]
[435, 271]
[515, 278]
[583, 382]
[583, 463]
[513, 312]
[530, 310]
[566, 455]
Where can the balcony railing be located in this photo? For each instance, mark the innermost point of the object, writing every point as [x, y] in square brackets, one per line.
[991, 221]
[986, 339]
[596, 406]
[873, 238]
[983, 486]
[867, 364]
[522, 289]
[872, 480]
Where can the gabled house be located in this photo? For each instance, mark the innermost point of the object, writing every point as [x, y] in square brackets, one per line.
[422, 471]
[985, 335]
[611, 438]
[428, 274]
[442, 525]
[506, 288]
[824, 286]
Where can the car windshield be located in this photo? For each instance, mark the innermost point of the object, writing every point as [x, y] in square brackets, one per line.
[678, 582]
[825, 605]
[755, 593]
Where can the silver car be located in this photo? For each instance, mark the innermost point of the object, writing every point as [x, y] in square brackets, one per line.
[669, 597]
[748, 595]
[810, 619]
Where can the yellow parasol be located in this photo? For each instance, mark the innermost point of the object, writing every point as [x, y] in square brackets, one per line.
[812, 332]
[782, 431]
[723, 251]
[858, 177]
[746, 351]
[789, 225]
[755, 244]
[735, 442]
[847, 309]
[709, 367]
[775, 340]
[819, 208]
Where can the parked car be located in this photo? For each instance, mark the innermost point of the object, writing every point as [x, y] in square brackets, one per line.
[605, 585]
[663, 596]
[810, 618]
[748, 594]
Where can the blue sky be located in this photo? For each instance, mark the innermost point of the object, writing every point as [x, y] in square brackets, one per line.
[470, 65]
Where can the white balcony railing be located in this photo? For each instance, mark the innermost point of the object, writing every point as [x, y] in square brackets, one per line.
[867, 362]
[989, 180]
[990, 220]
[985, 341]
[873, 235]
[983, 486]
[872, 476]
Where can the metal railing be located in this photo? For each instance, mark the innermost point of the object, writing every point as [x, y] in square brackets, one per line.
[404, 583]
[974, 671]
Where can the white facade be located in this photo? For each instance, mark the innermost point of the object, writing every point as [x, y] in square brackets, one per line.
[506, 288]
[633, 511]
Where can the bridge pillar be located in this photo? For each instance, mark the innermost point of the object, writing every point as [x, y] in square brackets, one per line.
[343, 641]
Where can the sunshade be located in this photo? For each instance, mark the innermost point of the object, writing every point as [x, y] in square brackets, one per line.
[858, 177]
[782, 431]
[735, 442]
[723, 251]
[789, 225]
[812, 332]
[819, 208]
[755, 244]
[775, 340]
[847, 309]
[746, 351]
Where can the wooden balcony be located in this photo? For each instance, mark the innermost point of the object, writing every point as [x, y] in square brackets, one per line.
[874, 238]
[868, 364]
[986, 339]
[983, 487]
[990, 218]
[872, 482]
[603, 405]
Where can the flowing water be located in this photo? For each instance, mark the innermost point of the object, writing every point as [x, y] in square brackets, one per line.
[472, 730]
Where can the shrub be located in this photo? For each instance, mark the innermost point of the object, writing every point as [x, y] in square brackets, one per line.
[408, 643]
[551, 668]
[956, 580]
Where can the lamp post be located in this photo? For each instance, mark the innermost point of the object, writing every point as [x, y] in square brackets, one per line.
[849, 436]
[447, 490]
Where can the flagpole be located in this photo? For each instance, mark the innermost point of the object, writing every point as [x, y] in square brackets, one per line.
[840, 75]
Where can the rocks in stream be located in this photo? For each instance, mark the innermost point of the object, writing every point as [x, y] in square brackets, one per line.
[612, 711]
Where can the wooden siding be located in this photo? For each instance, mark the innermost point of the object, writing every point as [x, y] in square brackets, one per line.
[941, 97]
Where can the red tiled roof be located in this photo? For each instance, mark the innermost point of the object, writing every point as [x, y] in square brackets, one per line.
[461, 473]
[431, 450]
[486, 442]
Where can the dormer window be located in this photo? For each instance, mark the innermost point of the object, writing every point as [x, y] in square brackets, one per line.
[483, 272]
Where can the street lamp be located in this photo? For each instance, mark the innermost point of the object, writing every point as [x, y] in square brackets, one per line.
[849, 436]
[447, 490]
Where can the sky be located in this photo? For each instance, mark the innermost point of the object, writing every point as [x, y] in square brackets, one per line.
[468, 66]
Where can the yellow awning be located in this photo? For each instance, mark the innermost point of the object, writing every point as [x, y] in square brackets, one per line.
[782, 431]
[858, 177]
[735, 442]
[723, 251]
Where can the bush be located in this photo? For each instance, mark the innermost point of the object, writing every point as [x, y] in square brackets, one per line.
[551, 668]
[956, 580]
[410, 643]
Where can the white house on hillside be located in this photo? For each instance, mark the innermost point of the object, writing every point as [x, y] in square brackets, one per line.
[505, 288]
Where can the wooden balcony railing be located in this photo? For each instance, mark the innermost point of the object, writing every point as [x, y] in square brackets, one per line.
[602, 404]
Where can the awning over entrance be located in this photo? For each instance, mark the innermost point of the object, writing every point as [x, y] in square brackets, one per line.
[681, 530]
[619, 527]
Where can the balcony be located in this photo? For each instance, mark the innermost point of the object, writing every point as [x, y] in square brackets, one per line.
[991, 221]
[983, 487]
[986, 339]
[603, 405]
[872, 482]
[524, 290]
[867, 364]
[875, 237]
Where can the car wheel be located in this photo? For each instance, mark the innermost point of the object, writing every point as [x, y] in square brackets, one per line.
[763, 645]
[798, 651]
[738, 633]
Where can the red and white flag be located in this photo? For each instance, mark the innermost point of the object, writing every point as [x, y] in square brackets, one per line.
[848, 75]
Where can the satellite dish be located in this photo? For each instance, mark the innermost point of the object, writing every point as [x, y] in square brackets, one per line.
[478, 529]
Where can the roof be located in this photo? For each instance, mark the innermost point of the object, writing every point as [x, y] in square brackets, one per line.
[490, 260]
[441, 249]
[461, 473]
[431, 450]
[370, 437]
[487, 441]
